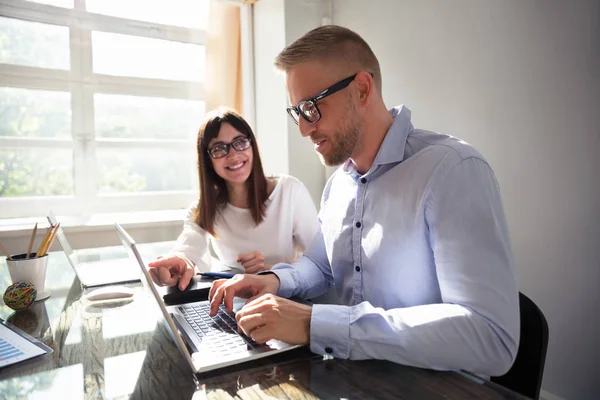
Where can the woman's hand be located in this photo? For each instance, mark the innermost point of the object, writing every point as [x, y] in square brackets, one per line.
[168, 271]
[253, 262]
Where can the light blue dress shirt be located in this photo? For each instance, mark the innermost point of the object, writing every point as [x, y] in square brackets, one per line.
[418, 254]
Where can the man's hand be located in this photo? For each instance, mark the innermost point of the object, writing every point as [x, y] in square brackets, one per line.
[171, 270]
[253, 262]
[271, 317]
[245, 286]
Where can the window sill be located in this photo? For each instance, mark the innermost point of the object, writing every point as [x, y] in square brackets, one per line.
[95, 223]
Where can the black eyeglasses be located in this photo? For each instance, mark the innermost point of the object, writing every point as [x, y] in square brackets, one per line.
[308, 108]
[221, 150]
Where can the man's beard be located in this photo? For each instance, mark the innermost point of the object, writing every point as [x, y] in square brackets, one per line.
[345, 142]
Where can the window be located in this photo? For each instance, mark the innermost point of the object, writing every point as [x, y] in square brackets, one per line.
[100, 103]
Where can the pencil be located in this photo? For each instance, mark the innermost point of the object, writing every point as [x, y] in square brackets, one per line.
[44, 246]
[31, 241]
[51, 240]
[6, 253]
[46, 238]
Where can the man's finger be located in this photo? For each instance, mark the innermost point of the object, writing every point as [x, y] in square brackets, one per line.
[254, 300]
[213, 288]
[262, 334]
[216, 300]
[229, 293]
[250, 322]
[253, 305]
[229, 290]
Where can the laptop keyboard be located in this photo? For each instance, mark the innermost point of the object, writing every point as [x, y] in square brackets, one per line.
[220, 331]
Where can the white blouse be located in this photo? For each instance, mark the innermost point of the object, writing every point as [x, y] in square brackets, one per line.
[288, 228]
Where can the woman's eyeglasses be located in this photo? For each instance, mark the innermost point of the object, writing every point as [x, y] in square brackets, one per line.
[221, 150]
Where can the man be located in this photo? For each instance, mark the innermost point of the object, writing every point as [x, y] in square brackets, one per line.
[413, 235]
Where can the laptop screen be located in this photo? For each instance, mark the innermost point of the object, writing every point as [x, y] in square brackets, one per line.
[148, 283]
[64, 243]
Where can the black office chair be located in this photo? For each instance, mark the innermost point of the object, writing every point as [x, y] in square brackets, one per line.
[525, 375]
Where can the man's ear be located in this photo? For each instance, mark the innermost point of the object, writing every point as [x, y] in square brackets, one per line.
[365, 85]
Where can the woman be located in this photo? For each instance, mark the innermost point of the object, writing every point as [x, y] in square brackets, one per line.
[251, 221]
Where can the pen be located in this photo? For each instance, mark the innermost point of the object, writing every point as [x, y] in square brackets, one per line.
[217, 275]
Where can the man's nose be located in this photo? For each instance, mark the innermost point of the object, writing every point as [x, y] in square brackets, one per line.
[306, 128]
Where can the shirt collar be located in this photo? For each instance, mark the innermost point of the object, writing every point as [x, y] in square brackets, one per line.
[394, 143]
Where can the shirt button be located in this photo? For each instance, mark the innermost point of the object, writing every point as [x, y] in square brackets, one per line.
[357, 268]
[363, 180]
[358, 225]
[328, 350]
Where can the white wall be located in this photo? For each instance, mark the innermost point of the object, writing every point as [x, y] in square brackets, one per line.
[300, 17]
[270, 95]
[520, 80]
[276, 24]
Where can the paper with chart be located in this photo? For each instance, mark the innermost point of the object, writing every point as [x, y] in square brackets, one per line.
[15, 348]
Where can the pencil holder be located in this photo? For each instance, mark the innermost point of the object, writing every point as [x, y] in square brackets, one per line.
[31, 270]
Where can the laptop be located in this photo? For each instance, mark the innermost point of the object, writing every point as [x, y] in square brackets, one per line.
[96, 273]
[206, 343]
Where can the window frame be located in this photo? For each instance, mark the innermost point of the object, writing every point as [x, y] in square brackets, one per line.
[82, 83]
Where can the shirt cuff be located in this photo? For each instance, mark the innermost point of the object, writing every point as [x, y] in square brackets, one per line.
[330, 330]
[286, 283]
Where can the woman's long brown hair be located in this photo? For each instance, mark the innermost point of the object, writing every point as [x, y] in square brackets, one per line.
[213, 189]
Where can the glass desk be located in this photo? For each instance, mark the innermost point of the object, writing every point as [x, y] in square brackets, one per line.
[120, 350]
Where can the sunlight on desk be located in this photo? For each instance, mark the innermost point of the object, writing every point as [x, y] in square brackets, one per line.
[74, 335]
[54, 384]
[121, 373]
[133, 318]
